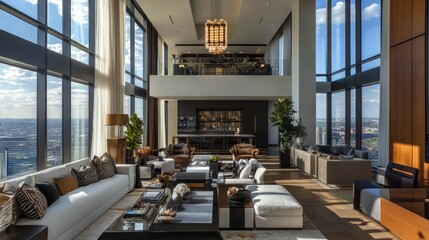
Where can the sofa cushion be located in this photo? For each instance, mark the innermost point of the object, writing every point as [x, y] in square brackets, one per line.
[274, 200]
[31, 201]
[65, 184]
[49, 191]
[245, 172]
[346, 157]
[105, 165]
[340, 149]
[86, 175]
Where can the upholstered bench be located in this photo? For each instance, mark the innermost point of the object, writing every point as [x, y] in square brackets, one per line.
[275, 207]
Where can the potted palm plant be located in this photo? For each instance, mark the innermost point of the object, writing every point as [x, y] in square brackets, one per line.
[134, 135]
[290, 128]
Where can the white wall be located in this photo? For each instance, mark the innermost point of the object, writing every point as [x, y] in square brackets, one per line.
[383, 140]
[304, 64]
[211, 87]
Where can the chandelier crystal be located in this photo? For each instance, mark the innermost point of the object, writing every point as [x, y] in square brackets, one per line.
[216, 35]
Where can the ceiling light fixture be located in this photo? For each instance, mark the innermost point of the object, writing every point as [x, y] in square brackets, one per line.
[216, 32]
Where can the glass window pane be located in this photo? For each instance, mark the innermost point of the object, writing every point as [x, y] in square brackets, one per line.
[353, 117]
[338, 76]
[140, 110]
[321, 36]
[127, 78]
[79, 55]
[17, 27]
[55, 15]
[321, 137]
[321, 79]
[55, 44]
[369, 65]
[79, 21]
[28, 7]
[127, 105]
[138, 82]
[79, 121]
[54, 124]
[338, 118]
[338, 35]
[371, 28]
[281, 55]
[18, 113]
[139, 51]
[370, 118]
[352, 32]
[127, 42]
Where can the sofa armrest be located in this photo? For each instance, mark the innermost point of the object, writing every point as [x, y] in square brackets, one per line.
[130, 170]
[235, 181]
[255, 151]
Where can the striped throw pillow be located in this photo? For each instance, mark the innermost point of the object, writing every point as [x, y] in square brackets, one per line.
[9, 189]
[105, 165]
[86, 175]
[31, 201]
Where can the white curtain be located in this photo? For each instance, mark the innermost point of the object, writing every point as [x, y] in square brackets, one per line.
[109, 64]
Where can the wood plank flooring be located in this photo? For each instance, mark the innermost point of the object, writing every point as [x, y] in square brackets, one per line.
[329, 208]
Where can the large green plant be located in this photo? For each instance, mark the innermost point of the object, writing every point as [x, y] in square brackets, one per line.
[134, 132]
[290, 128]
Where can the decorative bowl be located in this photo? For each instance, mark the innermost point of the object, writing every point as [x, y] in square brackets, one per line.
[237, 194]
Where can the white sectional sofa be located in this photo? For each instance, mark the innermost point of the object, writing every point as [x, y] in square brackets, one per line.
[76, 210]
[275, 207]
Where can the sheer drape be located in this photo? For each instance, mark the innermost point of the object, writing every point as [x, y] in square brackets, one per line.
[109, 65]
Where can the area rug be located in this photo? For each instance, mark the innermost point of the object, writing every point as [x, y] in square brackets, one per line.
[96, 229]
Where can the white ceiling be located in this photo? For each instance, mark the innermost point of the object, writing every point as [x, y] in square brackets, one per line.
[250, 22]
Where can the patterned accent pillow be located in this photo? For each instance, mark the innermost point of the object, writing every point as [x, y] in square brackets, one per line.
[31, 201]
[9, 189]
[105, 165]
[86, 175]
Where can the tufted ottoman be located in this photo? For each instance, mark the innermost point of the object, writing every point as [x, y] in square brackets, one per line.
[275, 207]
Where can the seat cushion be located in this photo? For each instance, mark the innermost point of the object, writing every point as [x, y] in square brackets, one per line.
[274, 200]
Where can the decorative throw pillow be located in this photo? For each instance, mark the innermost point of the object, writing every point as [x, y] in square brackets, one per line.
[31, 201]
[345, 157]
[6, 214]
[66, 184]
[86, 175]
[246, 171]
[10, 190]
[49, 191]
[236, 173]
[105, 165]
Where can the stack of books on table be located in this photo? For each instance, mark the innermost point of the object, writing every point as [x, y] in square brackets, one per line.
[142, 210]
[153, 196]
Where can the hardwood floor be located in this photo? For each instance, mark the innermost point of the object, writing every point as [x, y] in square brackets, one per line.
[330, 209]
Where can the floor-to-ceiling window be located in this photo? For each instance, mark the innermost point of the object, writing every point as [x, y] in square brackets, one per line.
[46, 83]
[348, 39]
[136, 75]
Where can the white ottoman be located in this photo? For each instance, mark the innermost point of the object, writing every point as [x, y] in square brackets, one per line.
[163, 166]
[199, 169]
[275, 207]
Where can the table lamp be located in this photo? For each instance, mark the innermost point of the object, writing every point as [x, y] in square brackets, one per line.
[116, 142]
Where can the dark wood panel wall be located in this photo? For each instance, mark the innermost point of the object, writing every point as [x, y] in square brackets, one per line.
[254, 118]
[407, 84]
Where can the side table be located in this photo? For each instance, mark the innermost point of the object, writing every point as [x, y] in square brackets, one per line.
[25, 232]
[232, 214]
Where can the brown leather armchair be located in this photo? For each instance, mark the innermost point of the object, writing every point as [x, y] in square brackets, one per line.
[181, 153]
[243, 151]
[146, 154]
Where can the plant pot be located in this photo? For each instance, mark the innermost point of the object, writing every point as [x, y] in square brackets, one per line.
[284, 158]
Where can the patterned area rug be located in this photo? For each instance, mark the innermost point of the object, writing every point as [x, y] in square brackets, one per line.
[96, 229]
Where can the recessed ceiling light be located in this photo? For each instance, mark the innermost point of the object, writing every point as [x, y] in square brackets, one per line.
[268, 4]
[189, 51]
[241, 52]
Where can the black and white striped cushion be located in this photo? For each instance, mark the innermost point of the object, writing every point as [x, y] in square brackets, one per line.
[9, 189]
[31, 201]
[105, 165]
[86, 175]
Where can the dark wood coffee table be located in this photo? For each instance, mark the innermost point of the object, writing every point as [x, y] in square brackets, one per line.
[234, 214]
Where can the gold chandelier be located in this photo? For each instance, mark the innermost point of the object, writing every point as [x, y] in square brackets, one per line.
[216, 35]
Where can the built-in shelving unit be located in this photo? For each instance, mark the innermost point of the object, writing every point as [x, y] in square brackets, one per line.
[219, 121]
